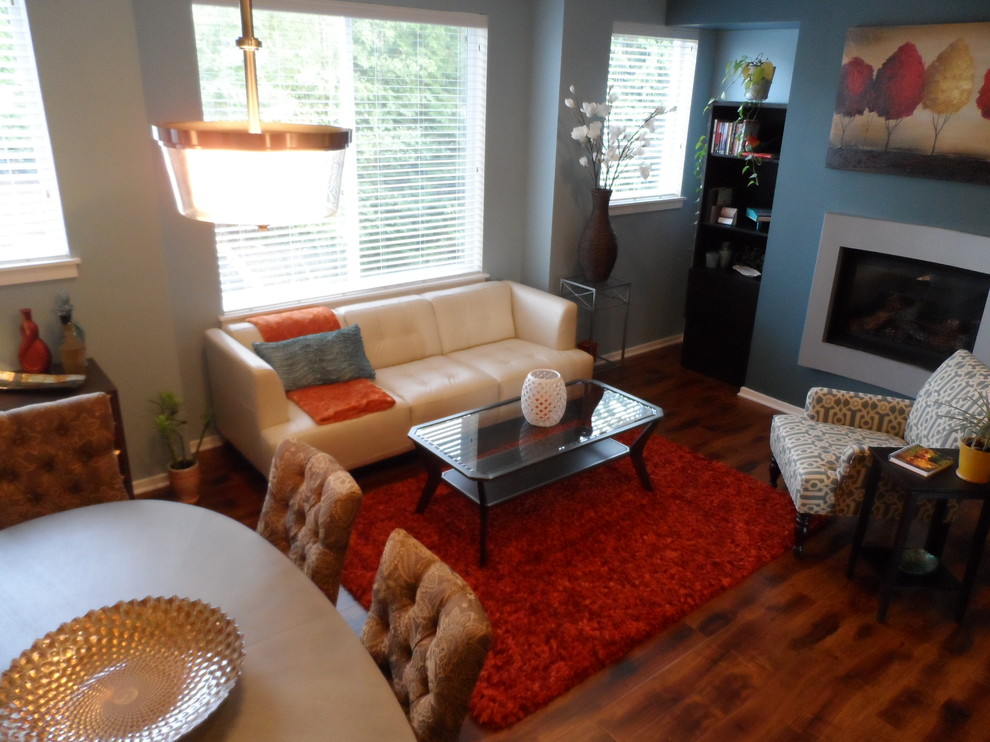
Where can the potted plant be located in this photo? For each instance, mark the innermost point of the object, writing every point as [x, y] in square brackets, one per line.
[183, 464]
[756, 74]
[974, 446]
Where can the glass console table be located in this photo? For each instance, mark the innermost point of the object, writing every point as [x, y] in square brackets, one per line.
[593, 297]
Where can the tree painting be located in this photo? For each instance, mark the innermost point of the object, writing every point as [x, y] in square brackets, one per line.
[948, 85]
[855, 92]
[922, 83]
[899, 86]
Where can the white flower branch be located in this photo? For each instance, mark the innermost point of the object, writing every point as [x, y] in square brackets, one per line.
[607, 160]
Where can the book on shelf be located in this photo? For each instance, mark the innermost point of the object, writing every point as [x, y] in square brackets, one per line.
[921, 460]
[731, 137]
[760, 217]
[727, 215]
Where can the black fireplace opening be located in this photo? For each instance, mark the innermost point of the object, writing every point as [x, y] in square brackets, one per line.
[908, 310]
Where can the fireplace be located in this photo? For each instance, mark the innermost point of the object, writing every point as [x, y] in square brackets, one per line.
[890, 301]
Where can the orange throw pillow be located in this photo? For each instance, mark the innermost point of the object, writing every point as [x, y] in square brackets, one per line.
[332, 403]
[287, 325]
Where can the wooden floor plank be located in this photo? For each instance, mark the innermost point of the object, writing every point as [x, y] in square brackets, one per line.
[792, 653]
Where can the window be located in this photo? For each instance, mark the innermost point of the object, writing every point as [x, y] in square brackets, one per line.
[651, 66]
[412, 86]
[33, 245]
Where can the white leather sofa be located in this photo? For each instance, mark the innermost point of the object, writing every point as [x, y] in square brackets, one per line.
[436, 353]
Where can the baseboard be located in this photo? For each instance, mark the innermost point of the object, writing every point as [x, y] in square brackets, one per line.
[157, 481]
[763, 399]
[644, 348]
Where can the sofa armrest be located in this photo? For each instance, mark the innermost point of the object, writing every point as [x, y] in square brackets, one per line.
[543, 318]
[247, 393]
[876, 412]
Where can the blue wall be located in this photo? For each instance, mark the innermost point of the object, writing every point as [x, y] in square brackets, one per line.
[806, 189]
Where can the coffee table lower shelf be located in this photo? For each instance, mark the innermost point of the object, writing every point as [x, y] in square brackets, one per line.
[488, 492]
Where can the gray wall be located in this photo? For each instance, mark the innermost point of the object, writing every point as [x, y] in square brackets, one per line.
[806, 189]
[148, 283]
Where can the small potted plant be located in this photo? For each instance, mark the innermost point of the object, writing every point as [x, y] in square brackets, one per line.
[757, 74]
[183, 464]
[974, 446]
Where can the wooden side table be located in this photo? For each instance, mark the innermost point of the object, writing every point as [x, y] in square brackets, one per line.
[941, 487]
[96, 381]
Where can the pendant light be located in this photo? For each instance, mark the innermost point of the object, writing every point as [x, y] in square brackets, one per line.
[251, 172]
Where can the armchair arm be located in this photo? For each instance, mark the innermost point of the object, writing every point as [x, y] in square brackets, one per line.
[880, 413]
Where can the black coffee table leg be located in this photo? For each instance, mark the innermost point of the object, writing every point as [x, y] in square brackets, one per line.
[483, 509]
[636, 454]
[432, 481]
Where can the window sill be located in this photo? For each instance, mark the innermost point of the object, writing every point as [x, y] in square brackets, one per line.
[638, 206]
[48, 270]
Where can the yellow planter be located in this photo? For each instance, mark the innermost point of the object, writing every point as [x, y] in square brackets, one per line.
[974, 465]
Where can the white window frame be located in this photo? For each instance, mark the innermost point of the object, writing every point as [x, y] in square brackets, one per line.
[675, 122]
[31, 207]
[345, 223]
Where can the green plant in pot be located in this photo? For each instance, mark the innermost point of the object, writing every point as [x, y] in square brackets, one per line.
[183, 464]
[974, 446]
[756, 73]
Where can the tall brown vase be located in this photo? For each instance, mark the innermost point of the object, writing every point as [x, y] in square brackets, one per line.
[597, 248]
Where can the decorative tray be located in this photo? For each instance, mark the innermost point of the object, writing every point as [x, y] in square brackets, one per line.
[147, 670]
[18, 380]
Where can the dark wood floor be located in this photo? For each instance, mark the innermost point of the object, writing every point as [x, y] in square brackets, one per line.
[793, 653]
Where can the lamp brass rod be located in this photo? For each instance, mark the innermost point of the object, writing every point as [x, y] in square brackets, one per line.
[249, 45]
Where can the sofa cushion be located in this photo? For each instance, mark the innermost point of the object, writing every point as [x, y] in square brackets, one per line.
[324, 358]
[473, 315]
[438, 386]
[395, 331]
[333, 403]
[292, 324]
[953, 384]
[509, 361]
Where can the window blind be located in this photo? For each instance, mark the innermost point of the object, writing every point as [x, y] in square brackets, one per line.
[647, 70]
[411, 204]
[30, 208]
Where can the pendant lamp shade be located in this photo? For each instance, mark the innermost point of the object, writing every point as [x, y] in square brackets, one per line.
[249, 172]
[220, 172]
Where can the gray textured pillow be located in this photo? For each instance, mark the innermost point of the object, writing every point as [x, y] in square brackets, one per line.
[323, 358]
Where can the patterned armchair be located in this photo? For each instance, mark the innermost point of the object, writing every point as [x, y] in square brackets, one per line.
[57, 455]
[429, 635]
[309, 511]
[824, 453]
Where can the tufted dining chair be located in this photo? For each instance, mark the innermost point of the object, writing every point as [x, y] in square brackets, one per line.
[309, 511]
[824, 455]
[57, 455]
[429, 635]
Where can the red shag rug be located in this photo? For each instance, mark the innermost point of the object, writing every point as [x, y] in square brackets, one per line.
[582, 571]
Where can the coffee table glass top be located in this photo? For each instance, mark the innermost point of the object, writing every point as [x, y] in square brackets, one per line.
[492, 441]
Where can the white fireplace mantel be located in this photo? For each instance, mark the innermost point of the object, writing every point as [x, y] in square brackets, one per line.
[935, 245]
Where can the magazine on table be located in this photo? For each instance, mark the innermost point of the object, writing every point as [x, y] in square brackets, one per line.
[921, 460]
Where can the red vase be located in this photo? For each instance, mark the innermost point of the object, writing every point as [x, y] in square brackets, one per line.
[597, 248]
[33, 355]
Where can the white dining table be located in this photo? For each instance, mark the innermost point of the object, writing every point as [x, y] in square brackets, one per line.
[306, 675]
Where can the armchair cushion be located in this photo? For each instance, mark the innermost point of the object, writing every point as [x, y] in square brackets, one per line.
[815, 457]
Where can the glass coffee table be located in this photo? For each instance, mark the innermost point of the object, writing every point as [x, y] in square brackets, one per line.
[491, 454]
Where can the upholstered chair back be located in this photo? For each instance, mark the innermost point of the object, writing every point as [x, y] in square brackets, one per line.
[57, 455]
[309, 511]
[953, 384]
[429, 635]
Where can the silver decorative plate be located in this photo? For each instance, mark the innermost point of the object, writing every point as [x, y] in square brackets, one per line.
[141, 670]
